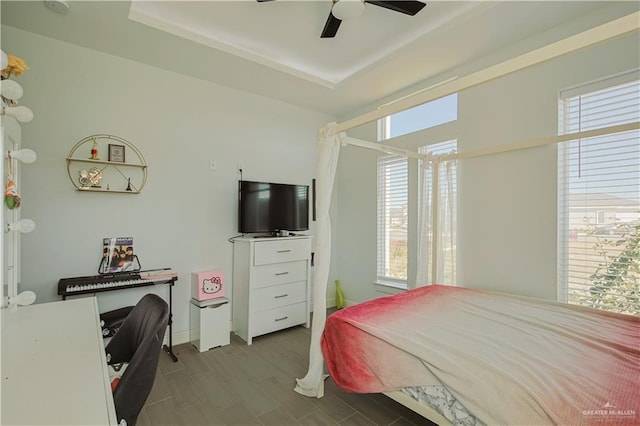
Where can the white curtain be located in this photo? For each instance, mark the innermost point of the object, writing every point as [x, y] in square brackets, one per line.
[437, 220]
[424, 224]
[328, 151]
[446, 255]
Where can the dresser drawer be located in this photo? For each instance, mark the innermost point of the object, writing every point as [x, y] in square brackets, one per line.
[276, 319]
[274, 251]
[279, 273]
[279, 295]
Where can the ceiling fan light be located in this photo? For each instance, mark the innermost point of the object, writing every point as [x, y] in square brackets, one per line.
[347, 9]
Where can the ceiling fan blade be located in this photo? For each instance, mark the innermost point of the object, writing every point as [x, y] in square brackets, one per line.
[406, 7]
[331, 26]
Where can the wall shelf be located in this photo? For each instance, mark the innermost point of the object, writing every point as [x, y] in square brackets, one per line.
[98, 174]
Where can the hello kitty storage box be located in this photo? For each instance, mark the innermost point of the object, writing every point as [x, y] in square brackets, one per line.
[207, 285]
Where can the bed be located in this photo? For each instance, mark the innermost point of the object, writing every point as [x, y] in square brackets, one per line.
[500, 359]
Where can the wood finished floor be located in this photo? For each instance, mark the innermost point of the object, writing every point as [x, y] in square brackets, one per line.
[253, 385]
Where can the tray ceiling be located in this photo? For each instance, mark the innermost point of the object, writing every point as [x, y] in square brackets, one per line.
[274, 48]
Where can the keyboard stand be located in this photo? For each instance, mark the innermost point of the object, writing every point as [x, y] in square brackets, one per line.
[169, 349]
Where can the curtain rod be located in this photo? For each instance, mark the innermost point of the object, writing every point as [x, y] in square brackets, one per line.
[620, 128]
[610, 30]
[384, 148]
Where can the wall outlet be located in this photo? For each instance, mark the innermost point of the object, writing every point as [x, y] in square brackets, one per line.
[213, 165]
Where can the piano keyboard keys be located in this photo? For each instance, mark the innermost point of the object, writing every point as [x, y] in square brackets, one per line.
[107, 284]
[115, 281]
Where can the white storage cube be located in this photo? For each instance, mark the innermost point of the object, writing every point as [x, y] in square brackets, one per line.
[210, 321]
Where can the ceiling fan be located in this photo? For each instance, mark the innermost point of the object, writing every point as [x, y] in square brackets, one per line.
[347, 9]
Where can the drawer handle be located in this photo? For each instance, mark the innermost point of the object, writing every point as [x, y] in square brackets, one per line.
[282, 295]
[282, 273]
[284, 251]
[281, 319]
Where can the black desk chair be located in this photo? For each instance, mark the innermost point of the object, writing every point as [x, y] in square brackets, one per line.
[138, 342]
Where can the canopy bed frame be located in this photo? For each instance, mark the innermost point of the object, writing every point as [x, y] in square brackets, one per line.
[333, 136]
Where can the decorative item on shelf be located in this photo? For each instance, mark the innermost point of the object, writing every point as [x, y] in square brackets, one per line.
[84, 178]
[128, 185]
[116, 153]
[95, 177]
[94, 151]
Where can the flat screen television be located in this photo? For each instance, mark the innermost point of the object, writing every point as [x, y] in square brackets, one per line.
[272, 207]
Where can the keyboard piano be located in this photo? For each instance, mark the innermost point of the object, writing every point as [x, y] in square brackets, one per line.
[119, 281]
[114, 281]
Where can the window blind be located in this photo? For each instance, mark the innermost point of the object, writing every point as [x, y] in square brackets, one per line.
[599, 197]
[392, 218]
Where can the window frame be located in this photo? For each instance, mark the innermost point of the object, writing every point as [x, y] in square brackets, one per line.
[385, 127]
[448, 104]
[575, 266]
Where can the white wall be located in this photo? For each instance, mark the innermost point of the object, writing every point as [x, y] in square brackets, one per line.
[185, 213]
[507, 202]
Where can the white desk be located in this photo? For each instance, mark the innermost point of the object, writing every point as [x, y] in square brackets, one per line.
[54, 369]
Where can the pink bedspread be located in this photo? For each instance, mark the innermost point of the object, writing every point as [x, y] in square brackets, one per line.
[509, 360]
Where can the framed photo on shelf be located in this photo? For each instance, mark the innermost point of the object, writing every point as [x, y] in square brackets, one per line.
[116, 153]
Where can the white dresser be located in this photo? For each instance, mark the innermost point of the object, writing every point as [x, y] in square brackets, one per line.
[271, 284]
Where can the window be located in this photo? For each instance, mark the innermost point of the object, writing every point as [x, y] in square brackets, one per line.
[599, 197]
[425, 116]
[392, 219]
[393, 194]
[438, 266]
